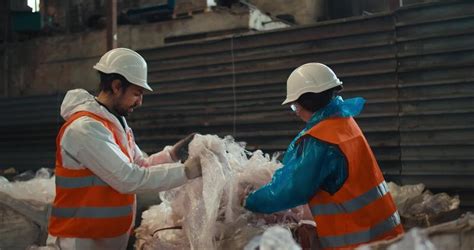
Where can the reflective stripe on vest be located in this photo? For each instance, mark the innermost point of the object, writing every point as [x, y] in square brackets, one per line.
[353, 205]
[92, 212]
[79, 182]
[361, 237]
[362, 210]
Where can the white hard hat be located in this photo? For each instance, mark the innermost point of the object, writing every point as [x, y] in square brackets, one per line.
[126, 63]
[310, 77]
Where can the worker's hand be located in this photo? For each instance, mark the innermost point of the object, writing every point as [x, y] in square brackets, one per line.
[306, 235]
[180, 149]
[192, 167]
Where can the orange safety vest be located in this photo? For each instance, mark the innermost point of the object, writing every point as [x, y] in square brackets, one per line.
[362, 210]
[85, 206]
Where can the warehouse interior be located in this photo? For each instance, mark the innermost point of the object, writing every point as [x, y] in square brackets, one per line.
[220, 68]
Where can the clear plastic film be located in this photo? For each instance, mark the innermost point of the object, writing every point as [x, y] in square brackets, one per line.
[206, 213]
[40, 189]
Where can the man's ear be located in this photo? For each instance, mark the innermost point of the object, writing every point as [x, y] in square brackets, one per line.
[116, 86]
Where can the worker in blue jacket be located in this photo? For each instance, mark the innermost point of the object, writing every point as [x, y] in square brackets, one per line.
[312, 164]
[330, 166]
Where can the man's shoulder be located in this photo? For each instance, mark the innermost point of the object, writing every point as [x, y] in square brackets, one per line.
[86, 124]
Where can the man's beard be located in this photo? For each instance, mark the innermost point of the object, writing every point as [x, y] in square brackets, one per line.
[123, 111]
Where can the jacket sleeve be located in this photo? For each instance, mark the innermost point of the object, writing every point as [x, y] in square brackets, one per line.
[91, 144]
[299, 179]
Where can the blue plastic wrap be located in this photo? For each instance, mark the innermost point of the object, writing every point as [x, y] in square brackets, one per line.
[308, 166]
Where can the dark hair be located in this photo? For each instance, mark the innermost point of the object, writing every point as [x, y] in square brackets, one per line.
[316, 101]
[106, 82]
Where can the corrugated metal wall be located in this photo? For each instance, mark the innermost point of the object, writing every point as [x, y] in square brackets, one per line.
[435, 54]
[28, 128]
[198, 81]
[415, 67]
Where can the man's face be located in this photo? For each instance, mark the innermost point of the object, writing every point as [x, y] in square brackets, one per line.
[126, 101]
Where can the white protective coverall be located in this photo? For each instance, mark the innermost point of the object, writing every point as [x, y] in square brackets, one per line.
[86, 142]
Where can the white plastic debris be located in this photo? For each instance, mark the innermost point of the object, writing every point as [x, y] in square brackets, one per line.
[274, 238]
[40, 189]
[414, 239]
[24, 207]
[206, 212]
[49, 247]
[454, 235]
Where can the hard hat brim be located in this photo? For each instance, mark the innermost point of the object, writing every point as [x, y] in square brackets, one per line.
[288, 100]
[312, 89]
[144, 85]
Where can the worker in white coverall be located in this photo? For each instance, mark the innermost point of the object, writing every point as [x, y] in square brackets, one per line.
[99, 167]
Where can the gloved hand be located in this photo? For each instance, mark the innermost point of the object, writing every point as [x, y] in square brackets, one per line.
[180, 149]
[192, 167]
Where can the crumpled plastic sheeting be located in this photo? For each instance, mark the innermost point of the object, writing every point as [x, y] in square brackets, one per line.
[431, 204]
[401, 194]
[24, 207]
[40, 189]
[416, 239]
[453, 235]
[208, 209]
[160, 217]
[274, 238]
[49, 247]
[413, 201]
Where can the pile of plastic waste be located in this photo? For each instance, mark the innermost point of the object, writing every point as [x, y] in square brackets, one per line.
[423, 214]
[24, 207]
[421, 208]
[206, 213]
[454, 235]
[39, 188]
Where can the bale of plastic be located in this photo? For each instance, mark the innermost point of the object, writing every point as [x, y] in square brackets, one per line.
[421, 208]
[24, 208]
[454, 235]
[16, 230]
[206, 213]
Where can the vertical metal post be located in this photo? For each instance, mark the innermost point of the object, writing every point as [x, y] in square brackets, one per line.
[67, 16]
[6, 40]
[5, 70]
[111, 24]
